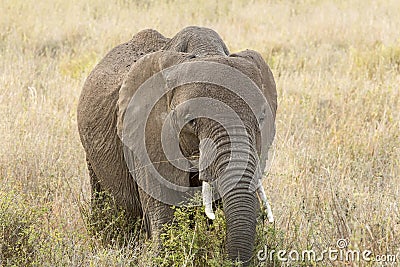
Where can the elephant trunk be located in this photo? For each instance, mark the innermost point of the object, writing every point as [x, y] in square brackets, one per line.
[239, 200]
[235, 169]
[241, 224]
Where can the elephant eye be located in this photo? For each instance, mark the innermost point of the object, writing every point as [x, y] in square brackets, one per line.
[192, 123]
[261, 120]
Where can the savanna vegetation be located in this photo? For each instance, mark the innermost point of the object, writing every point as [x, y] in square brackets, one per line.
[335, 173]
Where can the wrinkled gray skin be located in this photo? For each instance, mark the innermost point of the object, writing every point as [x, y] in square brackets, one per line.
[101, 111]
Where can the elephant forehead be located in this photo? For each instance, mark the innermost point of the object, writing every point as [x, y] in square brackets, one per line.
[210, 98]
[247, 68]
[221, 75]
[216, 109]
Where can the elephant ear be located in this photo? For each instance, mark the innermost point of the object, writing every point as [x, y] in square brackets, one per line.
[268, 88]
[143, 106]
[139, 73]
[267, 78]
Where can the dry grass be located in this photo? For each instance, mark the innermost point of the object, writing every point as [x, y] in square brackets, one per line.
[337, 67]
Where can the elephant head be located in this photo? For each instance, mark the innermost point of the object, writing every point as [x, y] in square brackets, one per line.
[202, 119]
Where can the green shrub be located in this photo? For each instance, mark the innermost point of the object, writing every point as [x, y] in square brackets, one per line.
[26, 238]
[110, 223]
[193, 240]
[20, 232]
[268, 238]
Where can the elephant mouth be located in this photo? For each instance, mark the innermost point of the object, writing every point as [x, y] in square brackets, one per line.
[196, 178]
[207, 197]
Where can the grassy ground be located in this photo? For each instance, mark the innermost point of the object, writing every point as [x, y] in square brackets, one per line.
[337, 152]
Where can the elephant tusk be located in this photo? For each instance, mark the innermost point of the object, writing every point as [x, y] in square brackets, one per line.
[263, 199]
[207, 200]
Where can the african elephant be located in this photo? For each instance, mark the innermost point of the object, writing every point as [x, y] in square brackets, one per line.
[105, 111]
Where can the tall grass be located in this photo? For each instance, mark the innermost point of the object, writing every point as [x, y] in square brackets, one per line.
[337, 151]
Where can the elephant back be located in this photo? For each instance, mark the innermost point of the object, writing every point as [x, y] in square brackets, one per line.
[198, 41]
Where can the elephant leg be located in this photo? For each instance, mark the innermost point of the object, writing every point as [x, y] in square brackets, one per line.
[107, 219]
[96, 190]
[155, 214]
[98, 220]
